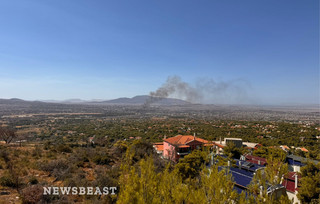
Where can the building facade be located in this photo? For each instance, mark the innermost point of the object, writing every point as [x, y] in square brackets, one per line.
[177, 147]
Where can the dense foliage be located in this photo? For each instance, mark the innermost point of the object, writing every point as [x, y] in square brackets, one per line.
[59, 152]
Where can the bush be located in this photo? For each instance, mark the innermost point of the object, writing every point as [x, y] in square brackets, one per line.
[32, 194]
[101, 159]
[47, 145]
[77, 179]
[7, 181]
[107, 177]
[191, 164]
[64, 148]
[118, 149]
[59, 168]
[141, 149]
[33, 181]
[37, 152]
[4, 155]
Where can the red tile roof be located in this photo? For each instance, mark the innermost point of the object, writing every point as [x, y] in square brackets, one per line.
[256, 162]
[285, 147]
[184, 146]
[289, 181]
[219, 145]
[304, 149]
[184, 139]
[207, 145]
[291, 175]
[289, 185]
[159, 147]
[255, 159]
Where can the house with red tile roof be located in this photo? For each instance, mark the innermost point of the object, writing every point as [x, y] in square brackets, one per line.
[291, 183]
[303, 149]
[177, 147]
[158, 147]
[255, 159]
[284, 148]
[219, 145]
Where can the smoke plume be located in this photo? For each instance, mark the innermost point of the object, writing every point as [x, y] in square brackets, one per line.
[205, 90]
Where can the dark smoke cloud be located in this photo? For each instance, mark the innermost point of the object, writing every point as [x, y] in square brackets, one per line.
[205, 90]
[174, 85]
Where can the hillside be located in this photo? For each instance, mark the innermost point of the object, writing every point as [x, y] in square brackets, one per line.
[140, 100]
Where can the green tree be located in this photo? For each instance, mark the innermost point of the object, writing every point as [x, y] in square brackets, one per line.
[7, 134]
[309, 191]
[232, 151]
[215, 187]
[269, 176]
[266, 152]
[275, 170]
[139, 187]
[190, 166]
[172, 189]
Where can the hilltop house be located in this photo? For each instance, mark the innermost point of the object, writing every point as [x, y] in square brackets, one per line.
[177, 147]
[291, 183]
[158, 146]
[285, 148]
[254, 159]
[219, 145]
[296, 162]
[243, 175]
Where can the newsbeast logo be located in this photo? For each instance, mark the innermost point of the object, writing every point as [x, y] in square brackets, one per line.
[79, 190]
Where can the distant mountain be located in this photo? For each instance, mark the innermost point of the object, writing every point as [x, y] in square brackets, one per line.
[74, 100]
[137, 100]
[14, 101]
[140, 100]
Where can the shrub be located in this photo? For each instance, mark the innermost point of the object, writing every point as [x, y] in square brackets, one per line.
[7, 181]
[101, 159]
[64, 148]
[33, 181]
[59, 168]
[107, 177]
[37, 152]
[4, 155]
[118, 149]
[77, 179]
[32, 194]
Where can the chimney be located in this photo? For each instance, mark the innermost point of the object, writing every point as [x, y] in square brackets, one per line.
[295, 181]
[220, 141]
[228, 163]
[212, 158]
[261, 190]
[259, 162]
[165, 137]
[194, 136]
[239, 164]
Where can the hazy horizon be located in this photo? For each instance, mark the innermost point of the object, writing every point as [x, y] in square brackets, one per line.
[70, 100]
[235, 52]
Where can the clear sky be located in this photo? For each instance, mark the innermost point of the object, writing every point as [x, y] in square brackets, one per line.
[62, 49]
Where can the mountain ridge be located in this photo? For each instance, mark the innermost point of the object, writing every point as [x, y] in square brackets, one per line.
[136, 100]
[143, 99]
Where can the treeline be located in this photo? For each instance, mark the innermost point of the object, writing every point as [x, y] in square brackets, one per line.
[265, 133]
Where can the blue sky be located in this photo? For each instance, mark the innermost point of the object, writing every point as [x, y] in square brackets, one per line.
[54, 49]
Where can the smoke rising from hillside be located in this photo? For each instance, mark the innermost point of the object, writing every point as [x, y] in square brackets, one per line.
[205, 90]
